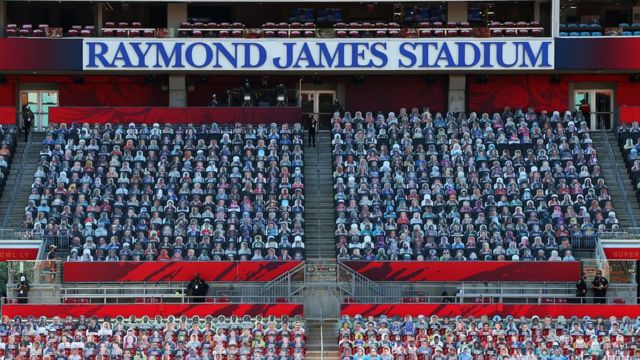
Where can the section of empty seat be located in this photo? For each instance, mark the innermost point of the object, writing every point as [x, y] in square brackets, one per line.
[595, 29]
[212, 29]
[46, 30]
[121, 29]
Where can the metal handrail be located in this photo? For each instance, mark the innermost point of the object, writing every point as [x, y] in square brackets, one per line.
[13, 234]
[629, 235]
[282, 278]
[359, 280]
[321, 329]
[514, 291]
[97, 290]
[148, 299]
[475, 299]
[489, 300]
[317, 189]
[283, 287]
[247, 293]
[18, 182]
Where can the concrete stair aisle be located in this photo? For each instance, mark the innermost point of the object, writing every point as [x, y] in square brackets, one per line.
[320, 271]
[611, 161]
[329, 331]
[319, 216]
[18, 187]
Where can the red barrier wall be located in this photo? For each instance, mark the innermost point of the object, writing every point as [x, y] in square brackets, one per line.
[113, 92]
[392, 92]
[467, 270]
[7, 94]
[527, 310]
[94, 90]
[151, 310]
[149, 115]
[538, 91]
[7, 115]
[629, 114]
[150, 271]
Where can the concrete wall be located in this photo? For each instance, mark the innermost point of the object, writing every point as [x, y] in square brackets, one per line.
[176, 14]
[177, 91]
[457, 94]
[457, 11]
[3, 16]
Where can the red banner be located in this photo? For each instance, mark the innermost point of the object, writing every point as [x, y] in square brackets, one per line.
[477, 310]
[196, 116]
[7, 254]
[151, 310]
[8, 115]
[546, 271]
[19, 249]
[151, 271]
[622, 253]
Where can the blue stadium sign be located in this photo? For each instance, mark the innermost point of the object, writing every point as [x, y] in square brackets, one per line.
[317, 55]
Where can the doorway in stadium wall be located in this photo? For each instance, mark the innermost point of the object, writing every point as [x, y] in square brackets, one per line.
[39, 101]
[319, 102]
[597, 107]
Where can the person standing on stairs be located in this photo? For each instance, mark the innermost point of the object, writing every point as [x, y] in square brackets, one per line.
[313, 129]
[27, 121]
[585, 108]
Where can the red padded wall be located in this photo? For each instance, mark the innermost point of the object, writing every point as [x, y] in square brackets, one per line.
[392, 92]
[151, 310]
[467, 270]
[538, 91]
[478, 310]
[183, 271]
[112, 93]
[122, 90]
[7, 94]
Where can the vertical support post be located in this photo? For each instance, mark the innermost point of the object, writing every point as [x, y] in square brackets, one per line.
[555, 18]
[177, 91]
